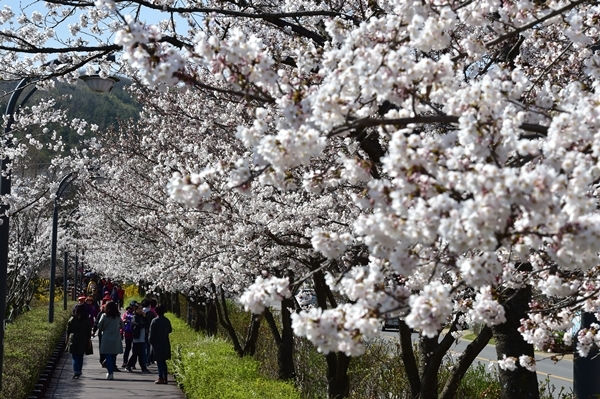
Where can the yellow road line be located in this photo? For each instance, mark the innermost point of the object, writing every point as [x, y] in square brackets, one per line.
[538, 372]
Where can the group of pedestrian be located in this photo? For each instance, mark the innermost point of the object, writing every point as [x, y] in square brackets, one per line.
[103, 290]
[143, 327]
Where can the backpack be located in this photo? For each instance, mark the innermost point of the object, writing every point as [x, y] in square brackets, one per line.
[128, 324]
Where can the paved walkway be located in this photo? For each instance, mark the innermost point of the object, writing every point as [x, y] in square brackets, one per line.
[93, 384]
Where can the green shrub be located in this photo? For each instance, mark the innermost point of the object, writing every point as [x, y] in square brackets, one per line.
[208, 368]
[311, 369]
[479, 382]
[28, 344]
[379, 372]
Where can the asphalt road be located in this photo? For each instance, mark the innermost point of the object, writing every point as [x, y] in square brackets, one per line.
[559, 374]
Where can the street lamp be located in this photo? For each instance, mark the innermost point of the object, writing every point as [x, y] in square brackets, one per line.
[65, 267]
[64, 183]
[5, 187]
[98, 84]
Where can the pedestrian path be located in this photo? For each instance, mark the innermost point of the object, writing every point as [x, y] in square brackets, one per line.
[94, 385]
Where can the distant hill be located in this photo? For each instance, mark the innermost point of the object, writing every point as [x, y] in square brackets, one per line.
[102, 109]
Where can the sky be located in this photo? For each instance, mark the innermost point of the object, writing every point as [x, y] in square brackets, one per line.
[151, 17]
[62, 30]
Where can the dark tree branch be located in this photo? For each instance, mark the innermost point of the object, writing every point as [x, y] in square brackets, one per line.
[287, 243]
[466, 360]
[425, 119]
[536, 22]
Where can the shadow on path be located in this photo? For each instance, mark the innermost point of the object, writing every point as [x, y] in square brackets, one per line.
[94, 385]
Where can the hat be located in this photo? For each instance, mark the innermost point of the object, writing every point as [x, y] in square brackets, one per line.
[133, 303]
[107, 297]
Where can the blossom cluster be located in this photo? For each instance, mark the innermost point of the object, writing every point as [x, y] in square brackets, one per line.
[588, 338]
[510, 363]
[264, 291]
[343, 329]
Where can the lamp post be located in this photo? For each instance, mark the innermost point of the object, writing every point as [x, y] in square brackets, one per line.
[64, 183]
[65, 285]
[5, 188]
[65, 268]
[76, 277]
[585, 368]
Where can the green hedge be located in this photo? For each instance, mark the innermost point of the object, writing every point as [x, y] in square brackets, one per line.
[208, 368]
[28, 344]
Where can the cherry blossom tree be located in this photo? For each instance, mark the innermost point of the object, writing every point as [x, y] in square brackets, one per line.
[454, 144]
[31, 198]
[227, 242]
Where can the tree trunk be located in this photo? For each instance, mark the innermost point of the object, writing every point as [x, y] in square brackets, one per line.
[337, 363]
[409, 360]
[286, 351]
[225, 322]
[519, 383]
[211, 318]
[176, 305]
[249, 347]
[284, 341]
[165, 299]
[252, 337]
[142, 288]
[428, 367]
[199, 314]
[199, 321]
[338, 383]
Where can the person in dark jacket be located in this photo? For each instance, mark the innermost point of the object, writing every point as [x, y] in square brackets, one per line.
[139, 341]
[149, 315]
[160, 328]
[79, 337]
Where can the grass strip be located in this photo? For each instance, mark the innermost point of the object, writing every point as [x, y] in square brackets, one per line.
[208, 368]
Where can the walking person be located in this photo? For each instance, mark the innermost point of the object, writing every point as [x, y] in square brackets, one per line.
[160, 328]
[128, 332]
[139, 341]
[121, 293]
[79, 337]
[80, 301]
[92, 309]
[99, 333]
[92, 289]
[149, 314]
[114, 296]
[110, 325]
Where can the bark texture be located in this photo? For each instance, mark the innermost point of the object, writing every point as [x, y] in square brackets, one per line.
[519, 383]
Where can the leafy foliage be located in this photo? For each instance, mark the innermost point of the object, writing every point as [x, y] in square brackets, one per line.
[26, 355]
